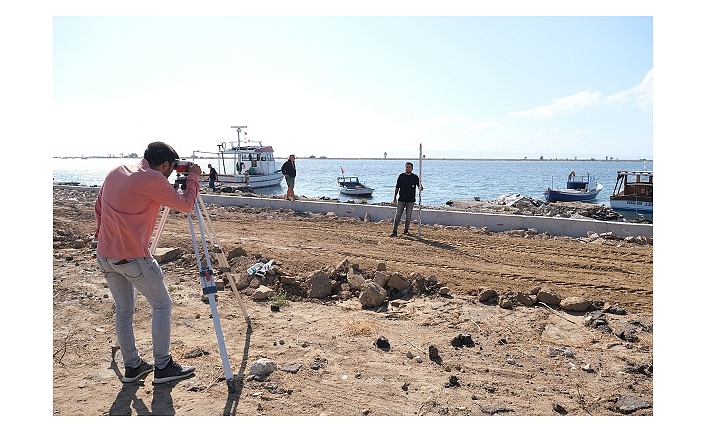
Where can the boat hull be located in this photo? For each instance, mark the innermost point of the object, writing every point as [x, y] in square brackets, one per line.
[578, 188]
[571, 195]
[631, 205]
[252, 181]
[351, 186]
[363, 191]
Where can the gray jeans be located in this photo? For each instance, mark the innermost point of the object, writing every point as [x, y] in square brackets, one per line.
[145, 275]
[406, 207]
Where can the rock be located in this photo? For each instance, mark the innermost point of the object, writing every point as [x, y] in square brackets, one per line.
[319, 285]
[574, 303]
[398, 282]
[434, 353]
[238, 251]
[355, 281]
[549, 298]
[462, 340]
[561, 351]
[262, 292]
[381, 278]
[342, 267]
[286, 279]
[505, 303]
[372, 295]
[263, 367]
[627, 404]
[616, 309]
[291, 368]
[524, 299]
[487, 295]
[382, 343]
[162, 255]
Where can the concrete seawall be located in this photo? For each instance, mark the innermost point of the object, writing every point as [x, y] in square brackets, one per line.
[557, 226]
[495, 222]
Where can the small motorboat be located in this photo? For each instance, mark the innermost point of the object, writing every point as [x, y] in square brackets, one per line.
[578, 188]
[351, 186]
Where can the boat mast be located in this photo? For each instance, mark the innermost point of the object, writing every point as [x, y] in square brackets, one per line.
[221, 148]
[238, 129]
[237, 160]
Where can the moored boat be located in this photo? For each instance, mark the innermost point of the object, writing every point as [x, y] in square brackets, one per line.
[633, 193]
[351, 186]
[578, 188]
[244, 164]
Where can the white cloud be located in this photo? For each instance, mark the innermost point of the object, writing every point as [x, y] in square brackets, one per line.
[639, 95]
[566, 105]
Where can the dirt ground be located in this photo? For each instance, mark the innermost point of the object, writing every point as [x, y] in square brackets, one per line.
[439, 349]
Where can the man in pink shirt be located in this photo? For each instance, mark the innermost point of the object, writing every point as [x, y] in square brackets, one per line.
[126, 211]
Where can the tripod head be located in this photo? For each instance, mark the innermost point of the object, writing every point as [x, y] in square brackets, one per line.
[180, 182]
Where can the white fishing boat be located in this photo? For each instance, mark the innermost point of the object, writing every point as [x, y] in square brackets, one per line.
[243, 164]
[633, 193]
[351, 186]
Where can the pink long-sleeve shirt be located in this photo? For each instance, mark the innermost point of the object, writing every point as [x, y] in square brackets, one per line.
[128, 205]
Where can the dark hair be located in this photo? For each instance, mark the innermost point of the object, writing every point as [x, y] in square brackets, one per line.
[159, 152]
[409, 163]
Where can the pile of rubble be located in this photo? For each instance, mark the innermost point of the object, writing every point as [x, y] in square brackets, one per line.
[343, 282]
[517, 204]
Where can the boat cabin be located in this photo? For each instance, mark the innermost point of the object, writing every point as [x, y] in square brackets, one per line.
[580, 182]
[634, 183]
[349, 182]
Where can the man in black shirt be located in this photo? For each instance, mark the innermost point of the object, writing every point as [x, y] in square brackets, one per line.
[289, 169]
[212, 177]
[406, 187]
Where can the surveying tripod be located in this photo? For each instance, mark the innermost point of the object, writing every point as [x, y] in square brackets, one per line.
[208, 281]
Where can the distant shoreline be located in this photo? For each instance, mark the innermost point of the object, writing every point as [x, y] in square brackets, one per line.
[525, 159]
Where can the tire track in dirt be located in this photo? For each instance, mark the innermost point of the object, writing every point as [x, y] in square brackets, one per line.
[471, 259]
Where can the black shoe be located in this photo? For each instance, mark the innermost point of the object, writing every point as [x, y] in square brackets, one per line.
[172, 371]
[393, 234]
[133, 374]
[406, 232]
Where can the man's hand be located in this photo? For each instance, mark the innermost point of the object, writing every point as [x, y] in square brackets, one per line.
[194, 168]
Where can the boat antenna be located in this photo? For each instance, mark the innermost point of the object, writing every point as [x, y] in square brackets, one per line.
[238, 129]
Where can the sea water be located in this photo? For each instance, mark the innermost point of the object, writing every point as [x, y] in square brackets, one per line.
[443, 179]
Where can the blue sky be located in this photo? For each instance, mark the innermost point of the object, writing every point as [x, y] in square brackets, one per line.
[342, 86]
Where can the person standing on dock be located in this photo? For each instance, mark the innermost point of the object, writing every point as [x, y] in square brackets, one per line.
[289, 169]
[406, 187]
[212, 177]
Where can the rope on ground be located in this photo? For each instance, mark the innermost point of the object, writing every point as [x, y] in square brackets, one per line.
[421, 350]
[555, 312]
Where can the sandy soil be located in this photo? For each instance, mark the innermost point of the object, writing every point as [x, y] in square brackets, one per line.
[451, 351]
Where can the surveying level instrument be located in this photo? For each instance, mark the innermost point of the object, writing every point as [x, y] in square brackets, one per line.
[208, 282]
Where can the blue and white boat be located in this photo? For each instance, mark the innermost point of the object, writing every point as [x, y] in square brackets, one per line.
[578, 188]
[351, 186]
